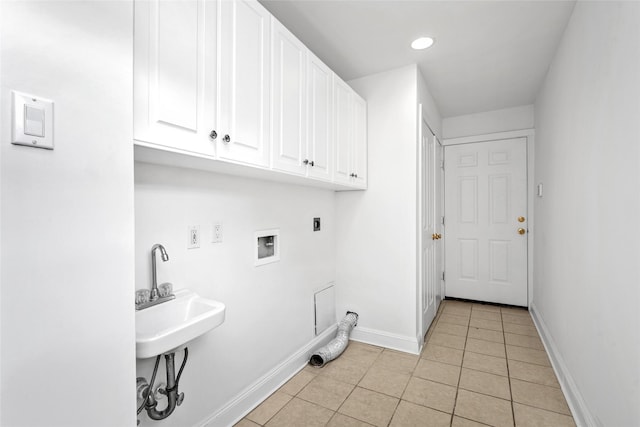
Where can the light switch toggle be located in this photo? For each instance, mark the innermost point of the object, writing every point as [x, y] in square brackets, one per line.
[33, 121]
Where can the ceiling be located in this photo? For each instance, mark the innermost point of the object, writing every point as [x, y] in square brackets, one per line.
[488, 55]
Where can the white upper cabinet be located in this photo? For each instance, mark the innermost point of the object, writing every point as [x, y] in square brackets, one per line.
[319, 119]
[350, 114]
[343, 113]
[288, 101]
[301, 108]
[243, 82]
[173, 97]
[359, 154]
[224, 80]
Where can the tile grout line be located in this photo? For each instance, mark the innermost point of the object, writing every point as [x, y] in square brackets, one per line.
[455, 401]
[354, 388]
[506, 358]
[374, 391]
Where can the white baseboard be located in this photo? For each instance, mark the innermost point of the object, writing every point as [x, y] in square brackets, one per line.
[253, 395]
[577, 405]
[387, 340]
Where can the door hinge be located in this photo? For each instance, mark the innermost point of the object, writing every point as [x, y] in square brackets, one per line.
[443, 275]
[442, 220]
[442, 164]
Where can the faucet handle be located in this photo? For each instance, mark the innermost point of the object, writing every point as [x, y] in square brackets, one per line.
[142, 296]
[165, 289]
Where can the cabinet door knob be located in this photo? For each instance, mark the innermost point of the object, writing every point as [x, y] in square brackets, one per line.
[355, 175]
[312, 163]
[226, 139]
[306, 161]
[213, 134]
[352, 175]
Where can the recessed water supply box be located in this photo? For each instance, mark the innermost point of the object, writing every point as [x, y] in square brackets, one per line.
[267, 247]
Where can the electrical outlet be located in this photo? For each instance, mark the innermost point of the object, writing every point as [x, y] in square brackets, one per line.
[216, 235]
[193, 237]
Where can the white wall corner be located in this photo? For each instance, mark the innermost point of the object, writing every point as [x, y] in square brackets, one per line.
[264, 386]
[579, 409]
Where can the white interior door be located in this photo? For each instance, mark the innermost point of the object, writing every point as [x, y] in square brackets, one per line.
[439, 215]
[486, 225]
[427, 236]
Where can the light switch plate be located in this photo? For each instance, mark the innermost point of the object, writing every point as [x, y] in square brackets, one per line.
[32, 121]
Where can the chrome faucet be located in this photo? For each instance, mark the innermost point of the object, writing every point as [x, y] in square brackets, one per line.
[154, 273]
[145, 299]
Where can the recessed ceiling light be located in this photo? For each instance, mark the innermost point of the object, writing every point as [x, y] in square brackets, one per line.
[422, 43]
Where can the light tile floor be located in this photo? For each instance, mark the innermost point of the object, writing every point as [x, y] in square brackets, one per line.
[482, 365]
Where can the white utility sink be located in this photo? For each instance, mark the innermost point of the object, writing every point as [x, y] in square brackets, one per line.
[167, 326]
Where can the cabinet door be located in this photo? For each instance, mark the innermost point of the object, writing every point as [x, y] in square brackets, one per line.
[288, 100]
[359, 154]
[243, 84]
[320, 118]
[343, 107]
[172, 105]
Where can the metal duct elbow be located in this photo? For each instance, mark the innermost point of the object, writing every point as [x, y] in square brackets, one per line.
[336, 346]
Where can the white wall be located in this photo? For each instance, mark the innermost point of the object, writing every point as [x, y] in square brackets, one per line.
[504, 120]
[376, 229]
[269, 308]
[429, 107]
[67, 219]
[587, 255]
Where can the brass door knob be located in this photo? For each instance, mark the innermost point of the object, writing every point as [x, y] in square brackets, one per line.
[434, 236]
[520, 219]
[439, 236]
[521, 231]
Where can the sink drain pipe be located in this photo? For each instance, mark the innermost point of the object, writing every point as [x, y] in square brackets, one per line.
[171, 391]
[336, 346]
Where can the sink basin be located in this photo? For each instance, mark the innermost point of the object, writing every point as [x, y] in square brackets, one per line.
[167, 326]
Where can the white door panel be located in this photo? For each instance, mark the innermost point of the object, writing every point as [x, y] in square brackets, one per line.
[486, 193]
[288, 100]
[439, 201]
[243, 87]
[320, 119]
[173, 104]
[359, 154]
[343, 114]
[428, 268]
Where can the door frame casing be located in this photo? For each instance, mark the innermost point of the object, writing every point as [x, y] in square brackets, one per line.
[529, 135]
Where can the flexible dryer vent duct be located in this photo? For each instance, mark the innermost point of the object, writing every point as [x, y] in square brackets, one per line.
[336, 346]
